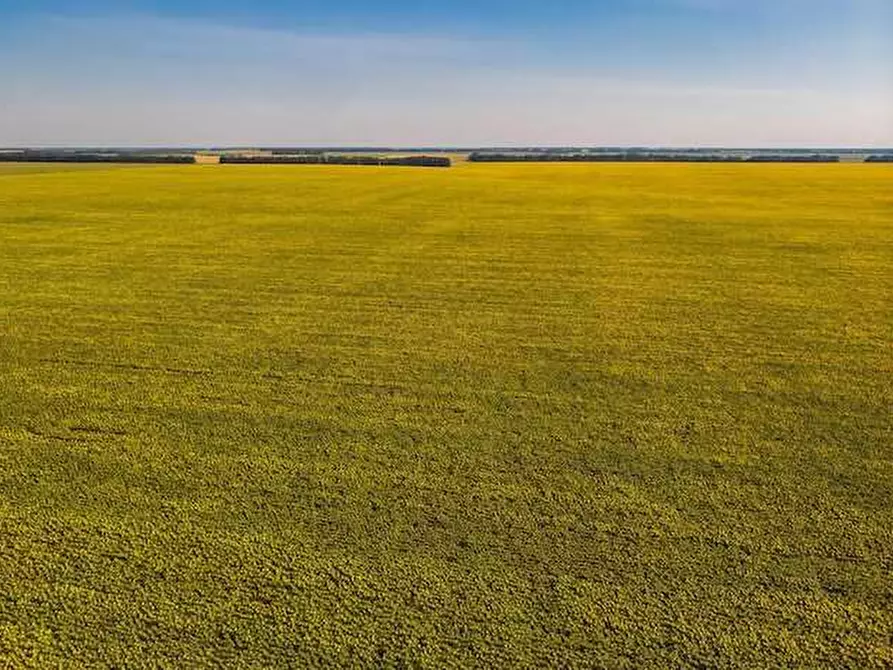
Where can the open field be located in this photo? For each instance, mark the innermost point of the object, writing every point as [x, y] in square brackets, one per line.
[596, 415]
[18, 169]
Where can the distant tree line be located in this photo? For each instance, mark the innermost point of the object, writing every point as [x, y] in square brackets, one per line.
[295, 152]
[635, 157]
[242, 159]
[540, 157]
[41, 156]
[343, 159]
[321, 156]
[787, 158]
[368, 151]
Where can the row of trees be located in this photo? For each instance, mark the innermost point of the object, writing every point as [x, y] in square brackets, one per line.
[422, 160]
[482, 157]
[38, 156]
[343, 159]
[242, 159]
[786, 158]
[540, 157]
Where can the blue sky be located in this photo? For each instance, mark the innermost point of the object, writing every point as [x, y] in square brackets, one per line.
[459, 72]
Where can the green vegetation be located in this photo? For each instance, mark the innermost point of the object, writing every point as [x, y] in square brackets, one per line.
[646, 156]
[318, 158]
[87, 156]
[500, 415]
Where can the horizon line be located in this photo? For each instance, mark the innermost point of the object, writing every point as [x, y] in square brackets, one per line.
[444, 147]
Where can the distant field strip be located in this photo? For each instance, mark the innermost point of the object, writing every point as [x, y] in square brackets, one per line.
[503, 415]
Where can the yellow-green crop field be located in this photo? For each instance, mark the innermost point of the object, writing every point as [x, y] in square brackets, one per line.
[604, 415]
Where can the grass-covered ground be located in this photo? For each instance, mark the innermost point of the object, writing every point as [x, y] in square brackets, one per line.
[499, 415]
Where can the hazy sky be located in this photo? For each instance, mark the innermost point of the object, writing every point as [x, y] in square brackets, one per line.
[457, 72]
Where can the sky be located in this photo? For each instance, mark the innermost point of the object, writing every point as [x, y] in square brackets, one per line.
[742, 73]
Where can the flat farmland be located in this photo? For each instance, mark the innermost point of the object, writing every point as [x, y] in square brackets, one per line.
[602, 415]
